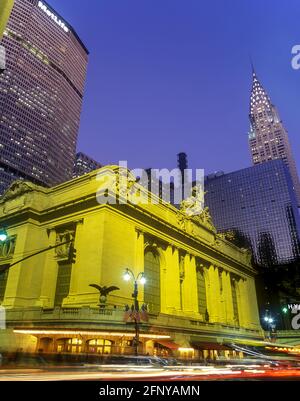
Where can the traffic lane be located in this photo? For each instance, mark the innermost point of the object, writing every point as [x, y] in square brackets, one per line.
[257, 374]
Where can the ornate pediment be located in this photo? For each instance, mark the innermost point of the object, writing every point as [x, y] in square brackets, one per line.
[193, 208]
[202, 219]
[18, 188]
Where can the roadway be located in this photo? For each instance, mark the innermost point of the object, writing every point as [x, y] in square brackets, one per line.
[129, 373]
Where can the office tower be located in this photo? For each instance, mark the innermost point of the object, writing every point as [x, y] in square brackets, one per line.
[84, 164]
[268, 137]
[41, 95]
[259, 204]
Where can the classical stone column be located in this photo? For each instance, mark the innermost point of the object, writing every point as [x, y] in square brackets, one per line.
[254, 319]
[139, 251]
[214, 294]
[243, 303]
[222, 286]
[209, 299]
[89, 240]
[139, 259]
[163, 283]
[189, 289]
[49, 278]
[172, 281]
[227, 293]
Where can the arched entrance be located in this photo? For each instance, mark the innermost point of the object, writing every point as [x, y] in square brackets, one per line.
[99, 346]
[45, 344]
[72, 345]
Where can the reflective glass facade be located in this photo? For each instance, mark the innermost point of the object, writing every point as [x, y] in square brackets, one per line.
[260, 203]
[41, 95]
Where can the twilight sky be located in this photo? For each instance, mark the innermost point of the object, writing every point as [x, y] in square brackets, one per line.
[174, 75]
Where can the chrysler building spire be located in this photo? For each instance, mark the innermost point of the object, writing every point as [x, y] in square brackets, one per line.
[259, 96]
[268, 137]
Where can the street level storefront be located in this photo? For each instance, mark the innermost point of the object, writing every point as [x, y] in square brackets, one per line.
[92, 342]
[71, 263]
[214, 351]
[120, 343]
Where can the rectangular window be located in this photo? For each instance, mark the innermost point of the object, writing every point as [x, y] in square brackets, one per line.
[235, 302]
[3, 282]
[62, 283]
[202, 303]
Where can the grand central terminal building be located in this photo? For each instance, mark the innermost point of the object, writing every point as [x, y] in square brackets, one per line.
[62, 265]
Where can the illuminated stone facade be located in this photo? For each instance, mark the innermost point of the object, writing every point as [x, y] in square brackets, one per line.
[199, 292]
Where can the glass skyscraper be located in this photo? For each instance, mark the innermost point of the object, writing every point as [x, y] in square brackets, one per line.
[41, 95]
[260, 204]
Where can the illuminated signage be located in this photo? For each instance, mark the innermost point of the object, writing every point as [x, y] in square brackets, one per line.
[54, 17]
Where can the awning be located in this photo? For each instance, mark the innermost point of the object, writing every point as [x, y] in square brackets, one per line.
[260, 343]
[168, 344]
[209, 346]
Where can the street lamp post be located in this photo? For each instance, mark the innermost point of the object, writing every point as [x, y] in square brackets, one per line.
[140, 278]
[271, 325]
[3, 234]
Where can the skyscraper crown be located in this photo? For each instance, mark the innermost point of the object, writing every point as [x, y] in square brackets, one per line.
[258, 96]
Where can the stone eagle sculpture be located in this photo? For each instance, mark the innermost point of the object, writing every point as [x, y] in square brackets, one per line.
[103, 292]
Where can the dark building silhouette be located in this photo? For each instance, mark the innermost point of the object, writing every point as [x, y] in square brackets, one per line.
[266, 250]
[182, 162]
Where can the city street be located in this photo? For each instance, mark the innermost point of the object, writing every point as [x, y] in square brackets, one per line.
[191, 373]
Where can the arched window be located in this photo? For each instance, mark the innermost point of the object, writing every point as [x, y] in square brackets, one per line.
[62, 283]
[152, 286]
[3, 281]
[202, 301]
[72, 345]
[100, 346]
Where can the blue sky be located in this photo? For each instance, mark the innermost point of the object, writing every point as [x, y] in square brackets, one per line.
[167, 76]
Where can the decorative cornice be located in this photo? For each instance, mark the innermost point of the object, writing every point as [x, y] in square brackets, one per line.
[18, 188]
